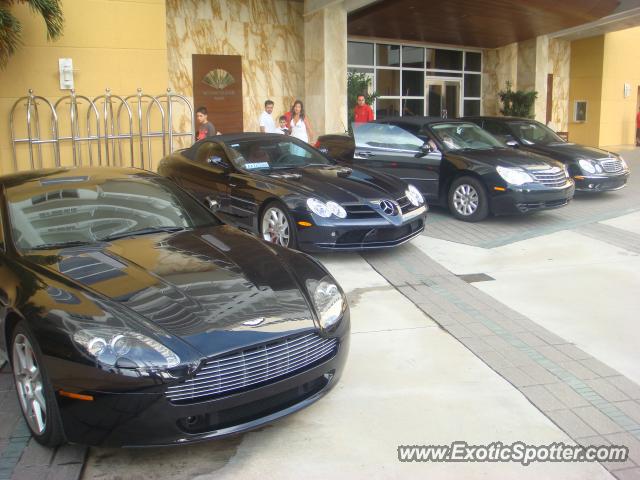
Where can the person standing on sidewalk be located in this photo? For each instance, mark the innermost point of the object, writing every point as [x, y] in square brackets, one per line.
[362, 113]
[267, 124]
[299, 123]
[205, 127]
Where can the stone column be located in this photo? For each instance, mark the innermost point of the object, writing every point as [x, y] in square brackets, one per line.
[325, 66]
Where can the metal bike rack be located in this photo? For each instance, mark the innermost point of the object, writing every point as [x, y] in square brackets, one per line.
[102, 127]
[33, 138]
[170, 98]
[113, 134]
[76, 138]
[140, 97]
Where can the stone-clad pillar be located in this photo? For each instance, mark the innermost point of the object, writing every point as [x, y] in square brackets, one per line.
[325, 66]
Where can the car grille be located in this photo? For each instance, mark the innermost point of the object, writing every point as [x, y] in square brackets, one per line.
[360, 211]
[550, 178]
[611, 165]
[254, 366]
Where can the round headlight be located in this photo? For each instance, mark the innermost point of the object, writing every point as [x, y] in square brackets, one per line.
[328, 300]
[514, 176]
[414, 196]
[318, 207]
[337, 210]
[599, 168]
[587, 165]
[116, 347]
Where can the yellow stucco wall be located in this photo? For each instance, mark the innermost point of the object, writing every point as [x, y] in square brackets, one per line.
[120, 44]
[621, 64]
[586, 84]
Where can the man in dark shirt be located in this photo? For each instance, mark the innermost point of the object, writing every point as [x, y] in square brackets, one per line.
[205, 127]
[362, 113]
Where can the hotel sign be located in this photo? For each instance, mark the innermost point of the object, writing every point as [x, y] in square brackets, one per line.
[217, 85]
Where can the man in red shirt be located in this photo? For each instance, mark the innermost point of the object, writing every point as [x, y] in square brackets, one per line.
[362, 113]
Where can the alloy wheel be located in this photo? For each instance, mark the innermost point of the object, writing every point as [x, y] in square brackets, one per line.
[275, 226]
[465, 199]
[29, 384]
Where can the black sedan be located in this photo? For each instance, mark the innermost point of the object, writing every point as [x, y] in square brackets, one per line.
[456, 164]
[593, 170]
[131, 316]
[289, 193]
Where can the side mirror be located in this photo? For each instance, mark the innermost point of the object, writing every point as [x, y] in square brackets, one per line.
[425, 149]
[216, 161]
[212, 204]
[509, 141]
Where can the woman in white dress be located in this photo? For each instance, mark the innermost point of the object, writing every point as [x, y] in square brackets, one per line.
[300, 125]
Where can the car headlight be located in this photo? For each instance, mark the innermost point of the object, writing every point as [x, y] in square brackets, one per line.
[414, 196]
[587, 165]
[514, 176]
[325, 210]
[124, 349]
[328, 300]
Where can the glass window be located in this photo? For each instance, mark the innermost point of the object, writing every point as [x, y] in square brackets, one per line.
[413, 57]
[534, 133]
[412, 107]
[209, 151]
[359, 53]
[375, 135]
[99, 210]
[274, 154]
[412, 83]
[443, 74]
[448, 60]
[472, 85]
[458, 136]
[473, 62]
[387, 107]
[472, 107]
[388, 82]
[388, 55]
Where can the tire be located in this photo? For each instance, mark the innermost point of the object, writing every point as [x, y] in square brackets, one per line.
[277, 226]
[468, 199]
[35, 394]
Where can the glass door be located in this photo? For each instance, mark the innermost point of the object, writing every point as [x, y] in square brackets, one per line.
[443, 97]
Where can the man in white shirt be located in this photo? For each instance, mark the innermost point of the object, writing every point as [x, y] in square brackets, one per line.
[267, 125]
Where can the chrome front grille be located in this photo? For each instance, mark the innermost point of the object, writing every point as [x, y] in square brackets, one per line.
[611, 165]
[554, 177]
[360, 211]
[247, 368]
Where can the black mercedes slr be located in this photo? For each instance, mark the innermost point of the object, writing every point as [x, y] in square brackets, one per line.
[289, 193]
[131, 316]
[593, 169]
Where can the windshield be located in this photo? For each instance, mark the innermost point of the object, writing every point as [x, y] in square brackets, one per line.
[55, 213]
[269, 153]
[531, 133]
[389, 137]
[464, 136]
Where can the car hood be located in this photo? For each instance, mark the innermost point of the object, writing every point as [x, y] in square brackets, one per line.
[340, 183]
[505, 157]
[214, 288]
[566, 152]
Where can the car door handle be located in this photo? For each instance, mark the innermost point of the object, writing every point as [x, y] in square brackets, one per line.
[363, 155]
[232, 185]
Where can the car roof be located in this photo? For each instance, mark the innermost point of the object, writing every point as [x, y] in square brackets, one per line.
[64, 175]
[420, 120]
[499, 119]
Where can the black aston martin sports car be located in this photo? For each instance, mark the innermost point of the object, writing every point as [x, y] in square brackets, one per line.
[131, 316]
[592, 169]
[457, 164]
[291, 194]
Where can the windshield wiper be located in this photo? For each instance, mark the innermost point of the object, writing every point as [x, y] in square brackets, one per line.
[53, 246]
[141, 231]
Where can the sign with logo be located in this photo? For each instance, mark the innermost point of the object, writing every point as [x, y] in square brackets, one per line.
[217, 85]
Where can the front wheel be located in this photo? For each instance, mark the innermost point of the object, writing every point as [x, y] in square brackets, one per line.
[468, 199]
[35, 394]
[276, 225]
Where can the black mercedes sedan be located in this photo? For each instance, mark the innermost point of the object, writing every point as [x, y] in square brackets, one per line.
[291, 194]
[592, 169]
[456, 164]
[131, 316]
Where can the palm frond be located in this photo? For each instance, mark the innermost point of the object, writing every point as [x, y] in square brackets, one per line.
[51, 12]
[10, 29]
